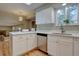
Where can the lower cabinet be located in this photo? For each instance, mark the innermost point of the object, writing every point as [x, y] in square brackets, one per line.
[52, 46]
[19, 44]
[23, 43]
[60, 45]
[65, 46]
[32, 41]
[76, 46]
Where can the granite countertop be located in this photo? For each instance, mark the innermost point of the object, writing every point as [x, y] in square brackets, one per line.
[68, 33]
[40, 31]
[50, 32]
[58, 32]
[16, 33]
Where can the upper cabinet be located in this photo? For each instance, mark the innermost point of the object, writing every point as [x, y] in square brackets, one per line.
[45, 16]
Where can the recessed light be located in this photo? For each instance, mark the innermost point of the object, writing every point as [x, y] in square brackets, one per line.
[64, 4]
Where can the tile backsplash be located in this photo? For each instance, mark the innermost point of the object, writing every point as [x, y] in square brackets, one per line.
[45, 26]
[53, 27]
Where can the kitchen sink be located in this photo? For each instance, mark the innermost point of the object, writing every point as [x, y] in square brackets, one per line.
[63, 34]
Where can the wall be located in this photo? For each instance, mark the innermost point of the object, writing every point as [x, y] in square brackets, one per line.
[7, 19]
[6, 28]
[26, 24]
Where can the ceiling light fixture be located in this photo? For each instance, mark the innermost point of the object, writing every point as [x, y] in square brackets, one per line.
[20, 18]
[28, 3]
[64, 4]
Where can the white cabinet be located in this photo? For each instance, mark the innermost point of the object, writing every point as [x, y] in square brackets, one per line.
[22, 43]
[32, 41]
[60, 45]
[45, 16]
[65, 49]
[76, 46]
[52, 40]
[19, 45]
[65, 46]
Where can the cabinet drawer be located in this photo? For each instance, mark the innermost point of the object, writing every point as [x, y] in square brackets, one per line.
[63, 43]
[65, 49]
[31, 36]
[66, 39]
[52, 38]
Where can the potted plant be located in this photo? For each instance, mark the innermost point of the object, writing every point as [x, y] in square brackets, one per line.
[66, 21]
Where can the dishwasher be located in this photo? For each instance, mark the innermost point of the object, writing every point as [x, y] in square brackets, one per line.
[42, 42]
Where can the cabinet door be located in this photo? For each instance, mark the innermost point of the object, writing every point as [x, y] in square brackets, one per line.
[32, 41]
[76, 46]
[39, 40]
[65, 47]
[19, 44]
[39, 18]
[45, 16]
[52, 44]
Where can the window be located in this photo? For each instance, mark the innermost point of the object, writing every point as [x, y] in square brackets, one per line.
[67, 14]
[60, 16]
[72, 14]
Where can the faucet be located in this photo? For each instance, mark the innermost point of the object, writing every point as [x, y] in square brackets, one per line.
[62, 29]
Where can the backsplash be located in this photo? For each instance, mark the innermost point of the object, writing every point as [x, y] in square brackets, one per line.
[45, 26]
[53, 27]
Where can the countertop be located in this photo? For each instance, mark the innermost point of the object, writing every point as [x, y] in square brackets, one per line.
[19, 32]
[67, 33]
[40, 31]
[50, 32]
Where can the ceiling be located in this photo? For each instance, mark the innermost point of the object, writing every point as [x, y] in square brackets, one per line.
[9, 12]
[19, 8]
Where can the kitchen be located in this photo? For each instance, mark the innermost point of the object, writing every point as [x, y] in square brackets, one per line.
[51, 28]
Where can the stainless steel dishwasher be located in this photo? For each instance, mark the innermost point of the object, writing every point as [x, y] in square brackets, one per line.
[42, 41]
